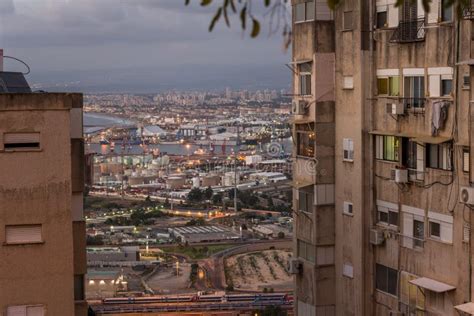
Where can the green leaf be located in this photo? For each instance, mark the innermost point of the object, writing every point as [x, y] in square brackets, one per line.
[205, 2]
[186, 2]
[226, 16]
[243, 17]
[215, 19]
[255, 28]
[267, 2]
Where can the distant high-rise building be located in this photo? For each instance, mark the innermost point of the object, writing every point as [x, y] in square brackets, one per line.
[42, 228]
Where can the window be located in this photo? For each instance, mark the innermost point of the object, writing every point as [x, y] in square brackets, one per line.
[466, 83]
[387, 213]
[446, 87]
[348, 208]
[414, 91]
[387, 147]
[21, 141]
[435, 229]
[79, 287]
[348, 148]
[347, 21]
[466, 233]
[388, 86]
[348, 82]
[381, 19]
[418, 232]
[25, 310]
[23, 234]
[413, 227]
[441, 227]
[305, 138]
[386, 279]
[306, 251]
[305, 70]
[446, 11]
[413, 157]
[410, 294]
[306, 199]
[304, 11]
[439, 156]
[465, 160]
[348, 270]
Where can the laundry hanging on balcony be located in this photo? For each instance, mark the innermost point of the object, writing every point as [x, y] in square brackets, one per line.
[439, 114]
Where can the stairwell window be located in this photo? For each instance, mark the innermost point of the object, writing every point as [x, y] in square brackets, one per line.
[465, 159]
[305, 140]
[348, 149]
[386, 279]
[23, 234]
[439, 156]
[306, 251]
[387, 148]
[304, 12]
[347, 21]
[306, 199]
[305, 71]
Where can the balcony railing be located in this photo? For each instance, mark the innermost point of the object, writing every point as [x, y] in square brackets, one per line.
[414, 104]
[468, 11]
[409, 31]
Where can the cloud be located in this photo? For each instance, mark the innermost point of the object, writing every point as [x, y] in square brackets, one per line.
[86, 35]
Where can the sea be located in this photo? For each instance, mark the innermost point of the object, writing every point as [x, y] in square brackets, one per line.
[97, 121]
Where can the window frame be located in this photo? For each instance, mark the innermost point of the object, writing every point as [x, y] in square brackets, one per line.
[382, 153]
[31, 242]
[390, 213]
[466, 166]
[387, 274]
[445, 9]
[385, 25]
[308, 198]
[300, 132]
[305, 12]
[346, 27]
[302, 248]
[441, 155]
[348, 147]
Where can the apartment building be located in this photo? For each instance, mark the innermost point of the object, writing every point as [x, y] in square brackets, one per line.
[382, 167]
[42, 230]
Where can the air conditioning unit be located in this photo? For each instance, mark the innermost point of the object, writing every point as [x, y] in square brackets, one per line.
[300, 108]
[376, 237]
[399, 175]
[466, 195]
[295, 266]
[395, 108]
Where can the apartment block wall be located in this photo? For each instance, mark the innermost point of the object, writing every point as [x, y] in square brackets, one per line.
[37, 189]
[365, 53]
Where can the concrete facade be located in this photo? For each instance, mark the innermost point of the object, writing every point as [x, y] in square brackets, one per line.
[379, 225]
[42, 231]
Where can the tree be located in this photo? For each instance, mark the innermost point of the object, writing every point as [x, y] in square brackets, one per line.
[208, 193]
[195, 195]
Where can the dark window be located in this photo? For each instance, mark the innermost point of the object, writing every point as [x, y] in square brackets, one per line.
[409, 149]
[386, 279]
[79, 287]
[439, 156]
[305, 138]
[381, 19]
[306, 199]
[466, 82]
[414, 91]
[12, 141]
[347, 21]
[387, 216]
[446, 11]
[304, 11]
[446, 86]
[435, 229]
[387, 147]
[305, 84]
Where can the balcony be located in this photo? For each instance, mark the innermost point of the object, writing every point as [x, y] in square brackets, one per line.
[409, 31]
[468, 11]
[402, 105]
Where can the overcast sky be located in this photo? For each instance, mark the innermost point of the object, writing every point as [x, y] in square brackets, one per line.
[136, 45]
